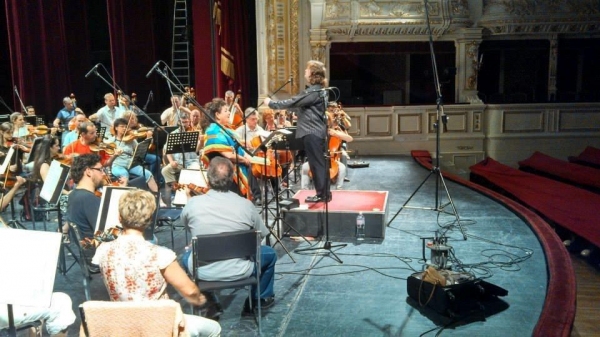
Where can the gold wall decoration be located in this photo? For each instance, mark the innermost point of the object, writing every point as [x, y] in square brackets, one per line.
[282, 43]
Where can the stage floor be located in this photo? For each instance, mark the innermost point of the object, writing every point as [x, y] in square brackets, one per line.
[366, 295]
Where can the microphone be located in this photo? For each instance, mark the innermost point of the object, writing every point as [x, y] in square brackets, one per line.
[291, 80]
[92, 70]
[322, 89]
[151, 95]
[153, 68]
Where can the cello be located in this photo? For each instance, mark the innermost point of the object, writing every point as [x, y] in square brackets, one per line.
[236, 115]
[260, 170]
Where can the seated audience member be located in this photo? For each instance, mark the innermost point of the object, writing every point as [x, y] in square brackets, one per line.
[83, 205]
[218, 211]
[136, 270]
[57, 317]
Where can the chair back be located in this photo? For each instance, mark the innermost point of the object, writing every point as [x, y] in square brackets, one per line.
[225, 246]
[147, 318]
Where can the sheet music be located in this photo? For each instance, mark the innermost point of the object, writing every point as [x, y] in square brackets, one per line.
[55, 181]
[28, 267]
[196, 177]
[7, 159]
[108, 216]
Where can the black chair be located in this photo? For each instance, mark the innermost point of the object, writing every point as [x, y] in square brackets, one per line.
[224, 246]
[25, 329]
[84, 264]
[167, 218]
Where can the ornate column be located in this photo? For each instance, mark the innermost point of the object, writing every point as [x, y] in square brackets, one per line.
[467, 64]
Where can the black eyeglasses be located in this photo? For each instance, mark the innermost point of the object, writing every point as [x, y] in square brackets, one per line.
[96, 169]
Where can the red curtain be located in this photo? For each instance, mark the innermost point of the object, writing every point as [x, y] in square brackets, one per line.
[132, 45]
[230, 27]
[42, 47]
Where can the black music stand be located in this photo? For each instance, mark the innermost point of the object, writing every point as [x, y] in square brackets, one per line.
[139, 154]
[32, 120]
[182, 142]
[101, 132]
[34, 147]
[289, 143]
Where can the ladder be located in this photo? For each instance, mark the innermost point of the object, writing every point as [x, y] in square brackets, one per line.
[180, 53]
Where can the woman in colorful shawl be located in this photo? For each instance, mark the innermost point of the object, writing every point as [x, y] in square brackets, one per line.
[219, 140]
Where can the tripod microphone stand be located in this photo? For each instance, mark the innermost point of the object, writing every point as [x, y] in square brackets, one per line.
[441, 118]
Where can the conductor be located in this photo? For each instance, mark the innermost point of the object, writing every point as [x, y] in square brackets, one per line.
[312, 125]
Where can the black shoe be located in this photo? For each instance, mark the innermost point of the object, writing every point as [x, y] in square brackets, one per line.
[265, 303]
[93, 268]
[316, 198]
[257, 201]
[347, 180]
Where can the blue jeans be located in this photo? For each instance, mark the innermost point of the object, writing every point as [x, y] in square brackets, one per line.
[268, 258]
[120, 171]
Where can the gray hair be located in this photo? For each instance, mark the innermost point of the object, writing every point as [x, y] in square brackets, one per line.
[220, 174]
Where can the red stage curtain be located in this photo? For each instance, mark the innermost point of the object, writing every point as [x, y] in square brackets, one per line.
[230, 47]
[132, 45]
[44, 37]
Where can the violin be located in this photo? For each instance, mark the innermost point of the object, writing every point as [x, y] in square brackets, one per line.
[108, 148]
[194, 190]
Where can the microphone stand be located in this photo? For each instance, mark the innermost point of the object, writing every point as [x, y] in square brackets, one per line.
[327, 246]
[441, 118]
[7, 107]
[277, 90]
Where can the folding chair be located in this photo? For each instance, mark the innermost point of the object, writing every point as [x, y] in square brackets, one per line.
[168, 217]
[147, 318]
[224, 246]
[76, 238]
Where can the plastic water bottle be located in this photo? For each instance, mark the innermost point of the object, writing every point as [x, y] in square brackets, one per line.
[360, 227]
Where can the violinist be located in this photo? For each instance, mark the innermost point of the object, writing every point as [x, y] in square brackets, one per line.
[83, 205]
[220, 141]
[336, 136]
[6, 142]
[83, 145]
[140, 132]
[122, 161]
[19, 128]
[46, 151]
[169, 116]
[175, 161]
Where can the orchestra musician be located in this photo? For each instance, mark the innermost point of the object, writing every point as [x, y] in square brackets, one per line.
[251, 130]
[312, 127]
[65, 114]
[88, 136]
[134, 125]
[83, 206]
[122, 161]
[269, 120]
[282, 121]
[6, 142]
[175, 161]
[30, 110]
[73, 134]
[169, 116]
[220, 141]
[341, 121]
[19, 128]
[230, 101]
[107, 114]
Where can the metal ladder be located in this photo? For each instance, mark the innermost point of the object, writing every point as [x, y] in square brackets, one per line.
[180, 53]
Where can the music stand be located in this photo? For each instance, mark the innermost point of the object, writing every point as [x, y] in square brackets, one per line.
[139, 154]
[4, 118]
[182, 142]
[101, 132]
[33, 120]
[34, 147]
[289, 143]
[108, 214]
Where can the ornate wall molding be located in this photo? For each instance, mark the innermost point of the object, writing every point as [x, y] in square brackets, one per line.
[282, 30]
[540, 17]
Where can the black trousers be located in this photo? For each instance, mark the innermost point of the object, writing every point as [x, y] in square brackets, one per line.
[315, 152]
